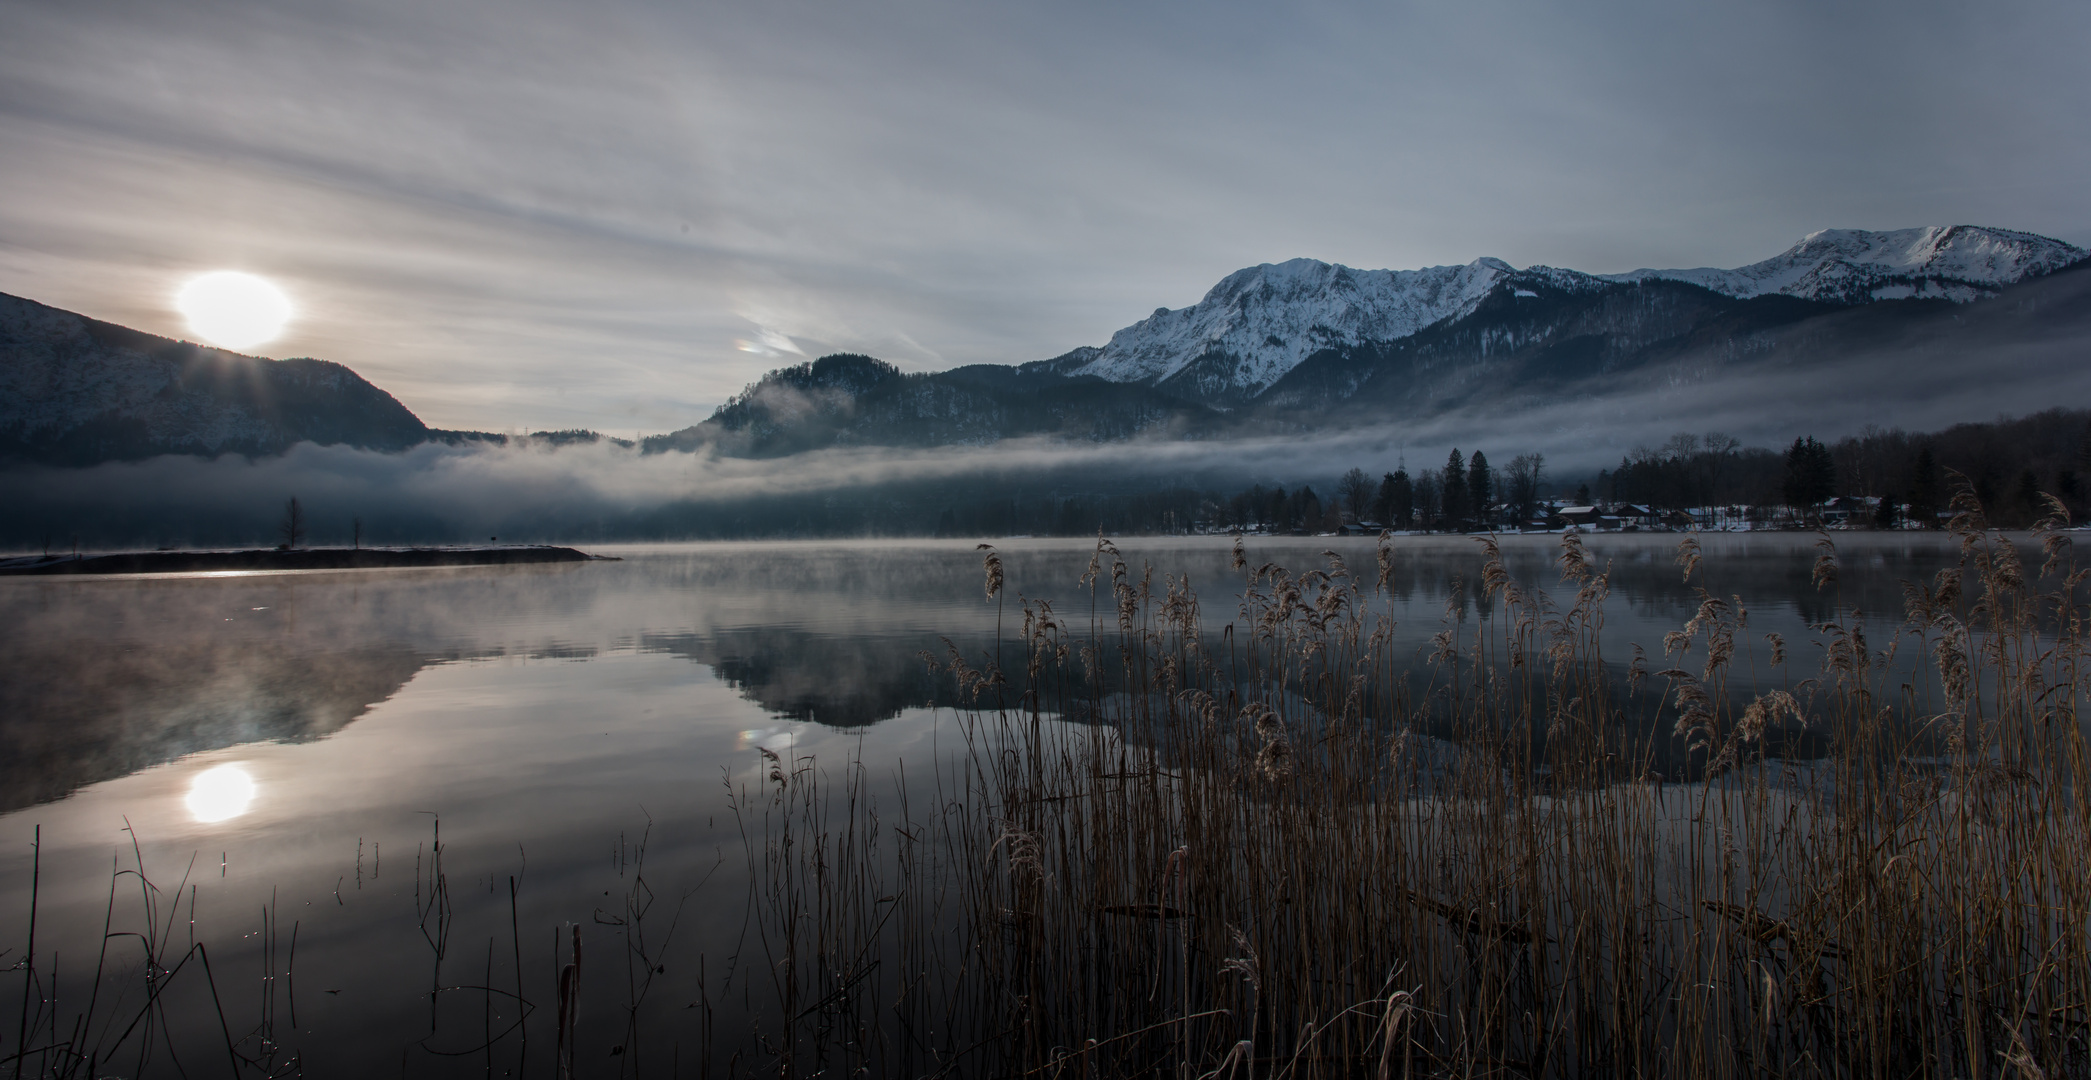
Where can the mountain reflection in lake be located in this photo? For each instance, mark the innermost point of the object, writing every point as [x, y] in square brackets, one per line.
[291, 741]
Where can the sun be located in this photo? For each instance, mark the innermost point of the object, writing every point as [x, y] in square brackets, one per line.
[232, 309]
[220, 794]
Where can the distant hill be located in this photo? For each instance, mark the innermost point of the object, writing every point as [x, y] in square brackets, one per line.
[1276, 349]
[851, 400]
[76, 391]
[1879, 318]
[79, 391]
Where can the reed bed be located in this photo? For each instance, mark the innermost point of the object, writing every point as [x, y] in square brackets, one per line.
[1283, 853]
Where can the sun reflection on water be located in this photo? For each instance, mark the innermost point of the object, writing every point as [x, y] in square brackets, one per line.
[220, 793]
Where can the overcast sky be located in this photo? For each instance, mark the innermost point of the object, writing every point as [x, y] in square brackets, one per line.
[614, 214]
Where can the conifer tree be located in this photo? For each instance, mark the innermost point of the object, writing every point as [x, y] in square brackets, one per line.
[1399, 495]
[1811, 475]
[1481, 488]
[1452, 492]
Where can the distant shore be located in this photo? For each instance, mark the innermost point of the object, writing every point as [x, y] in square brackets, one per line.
[177, 562]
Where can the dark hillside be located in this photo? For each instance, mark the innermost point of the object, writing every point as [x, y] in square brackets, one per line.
[851, 400]
[76, 391]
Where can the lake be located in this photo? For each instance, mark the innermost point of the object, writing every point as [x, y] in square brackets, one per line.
[286, 751]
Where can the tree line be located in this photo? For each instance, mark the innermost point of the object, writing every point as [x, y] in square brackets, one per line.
[1466, 493]
[1897, 478]
[1904, 477]
[1884, 477]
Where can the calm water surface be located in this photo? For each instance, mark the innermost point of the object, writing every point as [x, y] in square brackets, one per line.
[297, 740]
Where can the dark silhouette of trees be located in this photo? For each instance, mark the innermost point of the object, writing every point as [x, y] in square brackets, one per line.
[2025, 506]
[1924, 492]
[2013, 465]
[1310, 514]
[1429, 506]
[1481, 488]
[1707, 473]
[1521, 487]
[1397, 500]
[1717, 455]
[1355, 490]
[1453, 508]
[1712, 475]
[292, 528]
[1811, 475]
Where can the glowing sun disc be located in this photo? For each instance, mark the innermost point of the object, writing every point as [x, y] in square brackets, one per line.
[232, 309]
[219, 794]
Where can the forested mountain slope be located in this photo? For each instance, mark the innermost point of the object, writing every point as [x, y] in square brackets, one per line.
[75, 391]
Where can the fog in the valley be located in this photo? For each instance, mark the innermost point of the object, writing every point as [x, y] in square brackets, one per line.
[533, 491]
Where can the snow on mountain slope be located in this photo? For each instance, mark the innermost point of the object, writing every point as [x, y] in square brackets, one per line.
[1853, 266]
[1268, 318]
[1262, 322]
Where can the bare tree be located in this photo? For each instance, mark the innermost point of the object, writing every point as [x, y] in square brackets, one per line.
[1521, 486]
[292, 527]
[1356, 490]
[1720, 452]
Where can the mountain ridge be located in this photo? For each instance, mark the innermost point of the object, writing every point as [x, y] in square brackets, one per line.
[76, 390]
[1261, 322]
[1271, 349]
[1854, 266]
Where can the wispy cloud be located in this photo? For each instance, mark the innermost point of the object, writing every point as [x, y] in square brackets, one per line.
[533, 215]
[769, 343]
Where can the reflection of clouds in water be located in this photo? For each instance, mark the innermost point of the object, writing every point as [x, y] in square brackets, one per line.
[220, 794]
[102, 678]
[776, 740]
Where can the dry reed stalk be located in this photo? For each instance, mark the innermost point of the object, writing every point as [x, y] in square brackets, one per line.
[1277, 810]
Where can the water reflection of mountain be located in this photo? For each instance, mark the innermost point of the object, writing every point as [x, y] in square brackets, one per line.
[101, 678]
[77, 716]
[820, 678]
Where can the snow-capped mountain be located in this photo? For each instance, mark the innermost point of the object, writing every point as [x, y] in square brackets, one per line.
[1262, 322]
[1259, 323]
[1853, 266]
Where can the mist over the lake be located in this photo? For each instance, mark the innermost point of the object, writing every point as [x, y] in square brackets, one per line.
[538, 490]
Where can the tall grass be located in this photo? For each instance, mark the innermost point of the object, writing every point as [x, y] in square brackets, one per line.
[1291, 848]
[1279, 853]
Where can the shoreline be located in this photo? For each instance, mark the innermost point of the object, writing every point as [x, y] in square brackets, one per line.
[177, 562]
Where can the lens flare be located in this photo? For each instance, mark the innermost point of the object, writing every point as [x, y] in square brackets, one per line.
[233, 310]
[220, 794]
